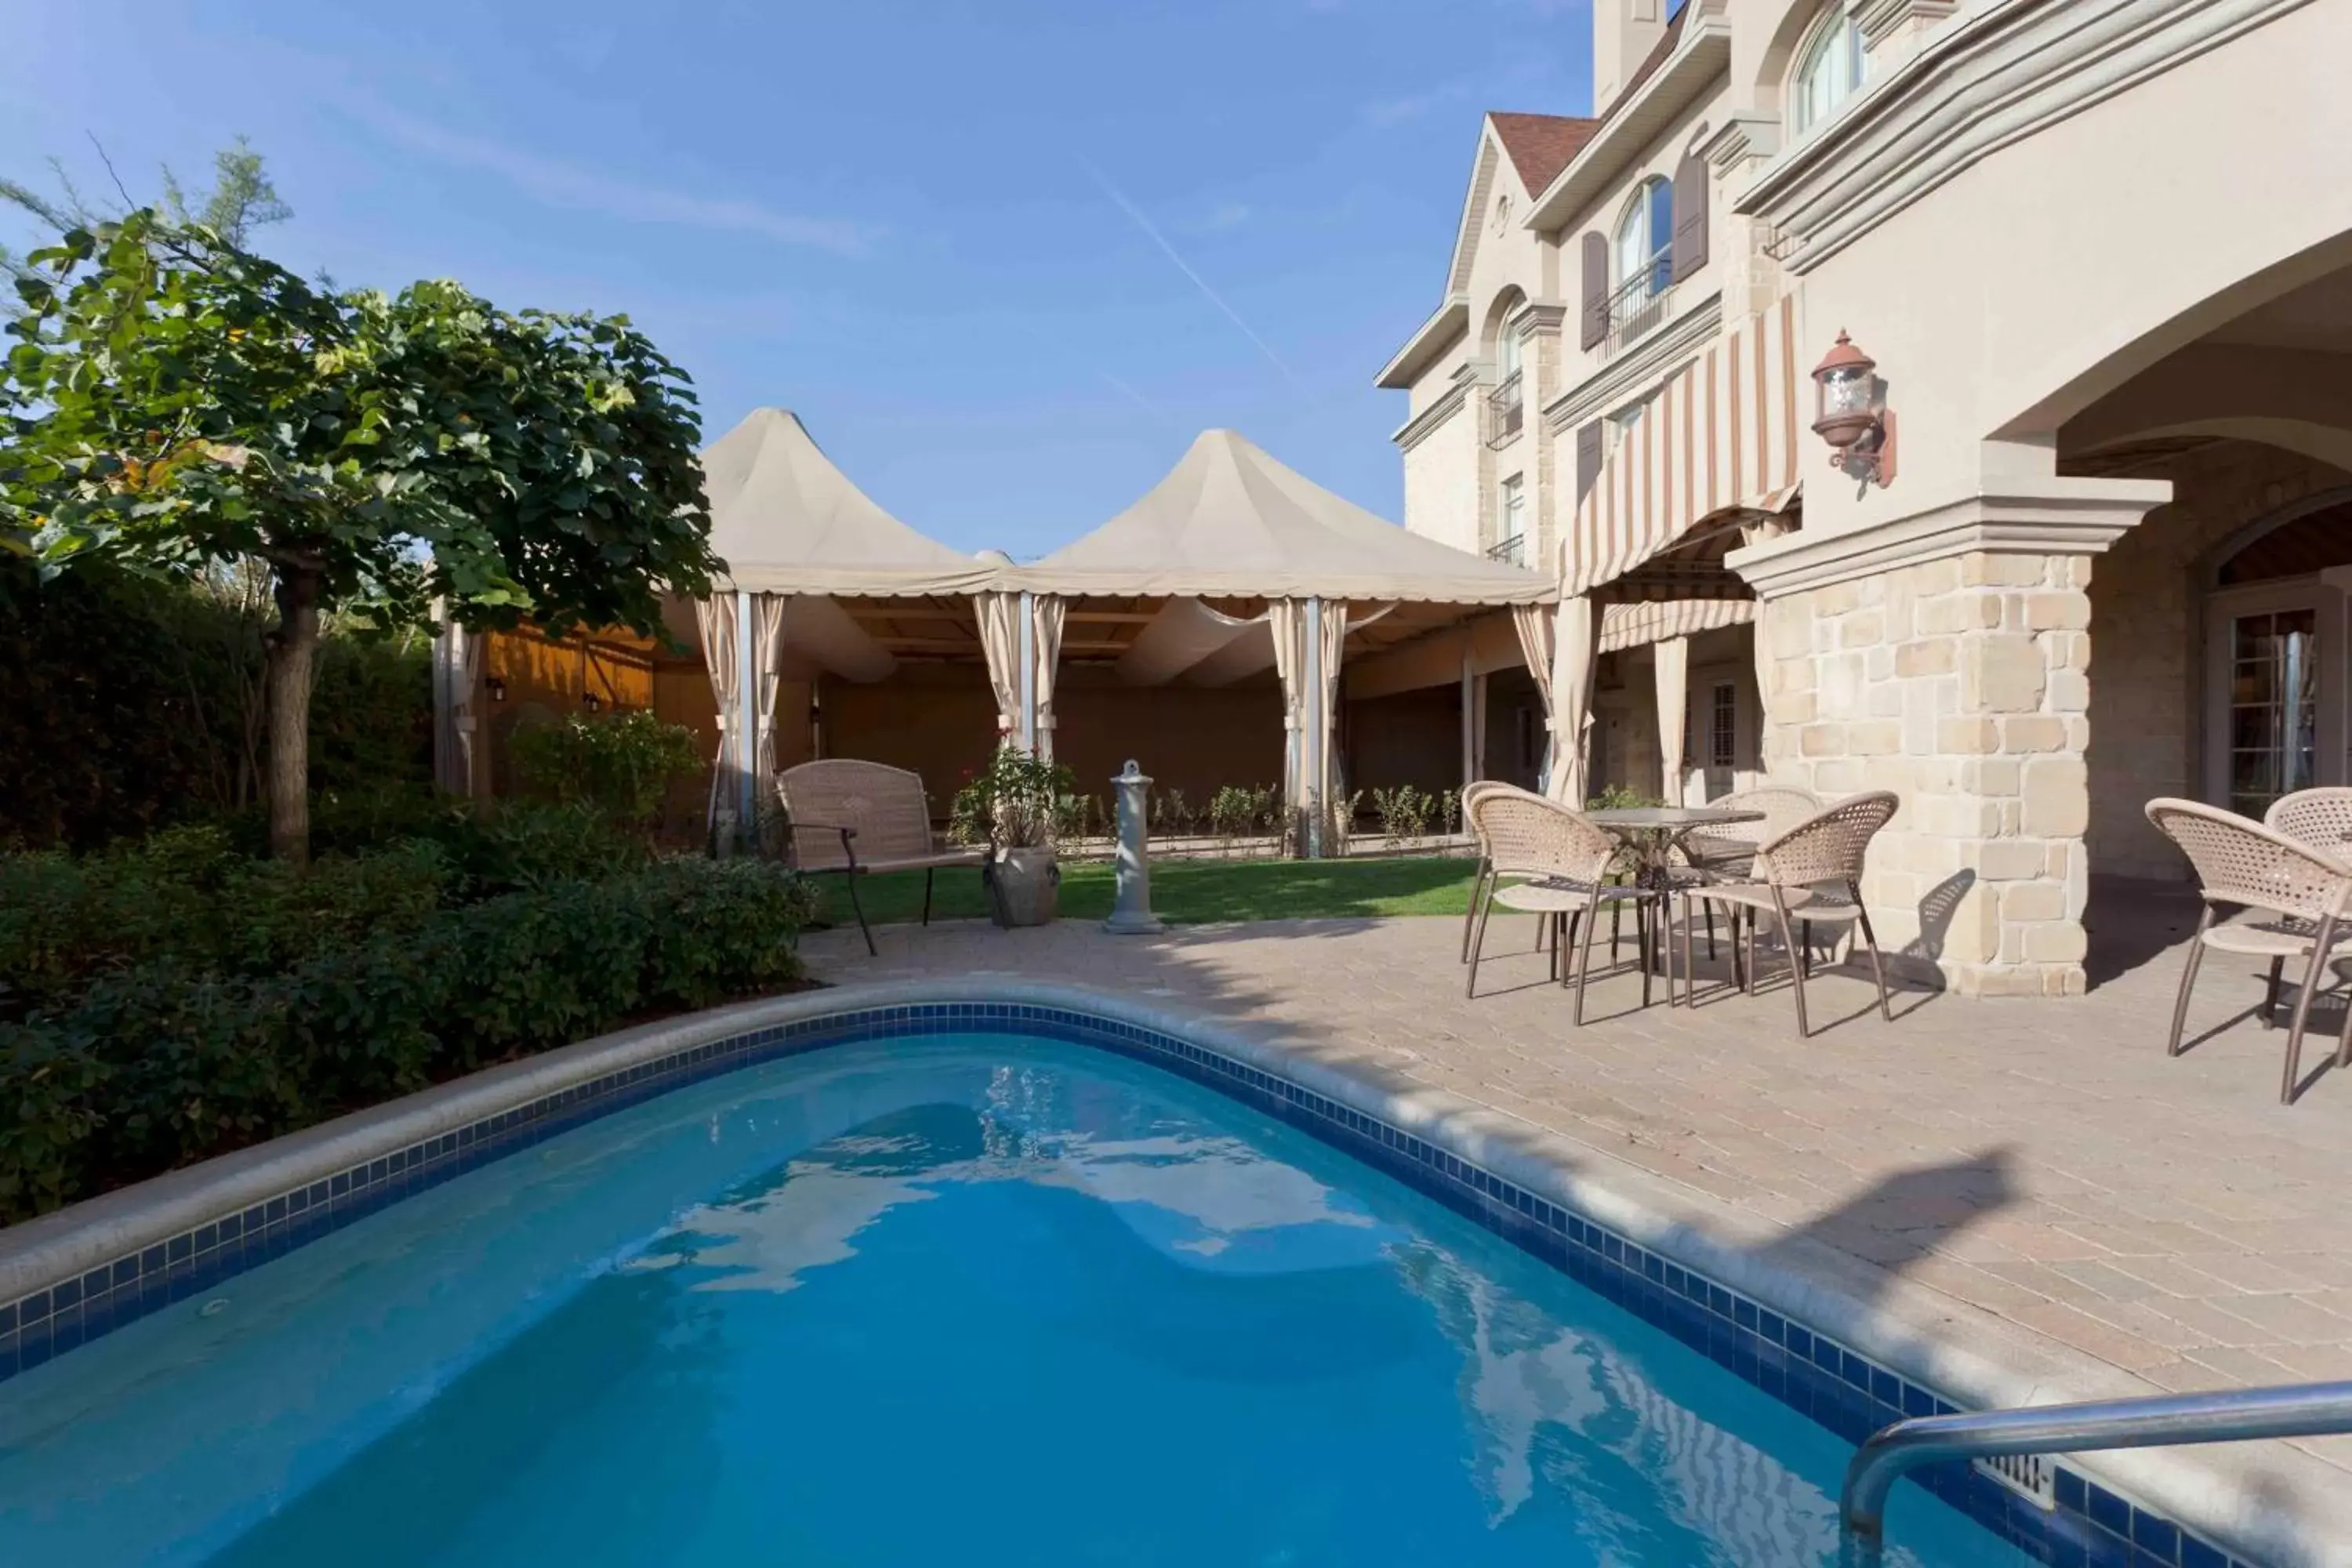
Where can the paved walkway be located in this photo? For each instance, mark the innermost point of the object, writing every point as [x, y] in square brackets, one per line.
[2041, 1160]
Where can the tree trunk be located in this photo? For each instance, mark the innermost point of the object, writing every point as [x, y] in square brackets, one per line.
[291, 647]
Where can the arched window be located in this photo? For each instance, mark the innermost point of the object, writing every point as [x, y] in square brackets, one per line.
[1829, 70]
[1645, 241]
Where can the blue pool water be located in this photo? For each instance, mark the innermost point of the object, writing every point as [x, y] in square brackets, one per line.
[974, 1300]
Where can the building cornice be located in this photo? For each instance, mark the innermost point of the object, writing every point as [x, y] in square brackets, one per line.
[1648, 363]
[1703, 54]
[1987, 83]
[1423, 424]
[1429, 339]
[2071, 517]
[1745, 133]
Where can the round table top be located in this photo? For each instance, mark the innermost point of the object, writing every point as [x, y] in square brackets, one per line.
[1639, 819]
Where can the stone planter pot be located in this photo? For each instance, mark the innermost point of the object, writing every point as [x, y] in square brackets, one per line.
[1026, 886]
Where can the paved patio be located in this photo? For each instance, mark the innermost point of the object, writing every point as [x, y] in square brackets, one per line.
[2042, 1160]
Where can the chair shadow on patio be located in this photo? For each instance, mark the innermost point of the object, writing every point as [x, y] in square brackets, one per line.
[1898, 1220]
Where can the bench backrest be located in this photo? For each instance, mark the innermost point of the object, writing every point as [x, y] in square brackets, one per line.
[886, 805]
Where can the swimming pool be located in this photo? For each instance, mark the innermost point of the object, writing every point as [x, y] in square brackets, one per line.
[967, 1298]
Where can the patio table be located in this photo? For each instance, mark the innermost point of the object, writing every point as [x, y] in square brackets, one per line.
[1650, 835]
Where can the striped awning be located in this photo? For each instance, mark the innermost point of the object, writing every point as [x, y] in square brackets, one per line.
[1636, 624]
[1719, 439]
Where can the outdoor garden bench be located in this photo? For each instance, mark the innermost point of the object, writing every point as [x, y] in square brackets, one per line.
[861, 819]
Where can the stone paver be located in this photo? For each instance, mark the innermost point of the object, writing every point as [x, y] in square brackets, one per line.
[2041, 1160]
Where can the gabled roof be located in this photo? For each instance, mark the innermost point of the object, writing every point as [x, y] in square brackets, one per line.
[786, 520]
[1229, 522]
[1540, 144]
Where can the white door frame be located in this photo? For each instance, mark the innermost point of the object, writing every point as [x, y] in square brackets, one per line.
[2223, 606]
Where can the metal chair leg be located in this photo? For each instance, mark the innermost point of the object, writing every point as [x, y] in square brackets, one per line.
[2319, 946]
[1877, 968]
[1478, 888]
[2270, 997]
[1709, 908]
[929, 872]
[1477, 942]
[1748, 918]
[1584, 953]
[1796, 964]
[1641, 933]
[1566, 968]
[1554, 921]
[1616, 928]
[2188, 981]
[1690, 970]
[864, 930]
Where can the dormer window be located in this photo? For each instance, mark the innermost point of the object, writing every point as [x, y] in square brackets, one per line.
[1829, 70]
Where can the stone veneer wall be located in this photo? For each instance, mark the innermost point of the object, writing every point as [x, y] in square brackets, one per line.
[1962, 685]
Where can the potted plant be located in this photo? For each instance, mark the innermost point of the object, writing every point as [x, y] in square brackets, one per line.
[1014, 802]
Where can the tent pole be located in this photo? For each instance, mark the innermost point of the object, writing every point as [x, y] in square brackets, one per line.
[1312, 746]
[1469, 716]
[747, 716]
[1028, 676]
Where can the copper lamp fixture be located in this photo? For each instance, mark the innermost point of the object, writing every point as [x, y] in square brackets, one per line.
[1851, 414]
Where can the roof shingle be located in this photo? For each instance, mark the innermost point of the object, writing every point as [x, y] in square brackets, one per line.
[1540, 145]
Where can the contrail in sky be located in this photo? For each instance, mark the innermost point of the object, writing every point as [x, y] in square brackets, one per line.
[1160, 239]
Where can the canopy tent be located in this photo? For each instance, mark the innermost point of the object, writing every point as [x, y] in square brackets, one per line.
[1299, 575]
[823, 579]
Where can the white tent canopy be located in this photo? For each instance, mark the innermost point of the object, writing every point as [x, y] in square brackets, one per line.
[1229, 522]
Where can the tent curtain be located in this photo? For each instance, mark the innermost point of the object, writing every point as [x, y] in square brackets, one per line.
[1286, 618]
[1046, 614]
[1575, 651]
[1534, 624]
[1333, 630]
[716, 618]
[1674, 704]
[1000, 640]
[465, 679]
[1763, 652]
[767, 659]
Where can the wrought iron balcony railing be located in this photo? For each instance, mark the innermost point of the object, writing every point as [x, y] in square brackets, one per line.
[1506, 410]
[1640, 303]
[1512, 551]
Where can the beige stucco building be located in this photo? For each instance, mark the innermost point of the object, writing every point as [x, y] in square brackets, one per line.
[2101, 252]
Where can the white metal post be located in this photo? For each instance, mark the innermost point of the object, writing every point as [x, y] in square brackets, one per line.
[1028, 677]
[1469, 719]
[747, 717]
[1316, 765]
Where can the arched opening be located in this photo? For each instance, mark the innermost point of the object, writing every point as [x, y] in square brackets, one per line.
[1642, 251]
[1829, 70]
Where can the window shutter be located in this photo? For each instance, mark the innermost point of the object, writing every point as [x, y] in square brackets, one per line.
[1596, 291]
[1690, 215]
[1588, 457]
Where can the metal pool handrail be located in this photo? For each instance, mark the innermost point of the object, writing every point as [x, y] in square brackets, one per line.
[2294, 1410]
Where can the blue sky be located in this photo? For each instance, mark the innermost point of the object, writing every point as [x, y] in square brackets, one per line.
[1005, 256]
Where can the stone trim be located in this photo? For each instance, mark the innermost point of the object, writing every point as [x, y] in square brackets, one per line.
[2085, 522]
[1426, 422]
[1881, 19]
[1746, 134]
[1447, 323]
[1988, 82]
[1647, 364]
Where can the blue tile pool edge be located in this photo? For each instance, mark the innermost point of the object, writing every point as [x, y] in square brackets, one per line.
[1853, 1395]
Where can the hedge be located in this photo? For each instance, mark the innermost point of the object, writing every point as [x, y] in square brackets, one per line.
[160, 1057]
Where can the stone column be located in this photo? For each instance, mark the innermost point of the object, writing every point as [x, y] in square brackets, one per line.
[1948, 659]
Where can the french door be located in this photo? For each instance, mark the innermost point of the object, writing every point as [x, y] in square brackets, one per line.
[2275, 684]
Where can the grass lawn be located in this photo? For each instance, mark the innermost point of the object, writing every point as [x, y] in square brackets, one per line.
[1193, 890]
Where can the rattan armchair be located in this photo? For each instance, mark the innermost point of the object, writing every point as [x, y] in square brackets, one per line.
[1565, 861]
[2318, 818]
[1810, 873]
[1470, 793]
[2293, 900]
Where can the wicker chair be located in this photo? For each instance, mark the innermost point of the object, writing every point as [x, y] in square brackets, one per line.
[858, 818]
[2320, 819]
[1730, 850]
[1565, 861]
[2291, 900]
[1810, 873]
[1470, 793]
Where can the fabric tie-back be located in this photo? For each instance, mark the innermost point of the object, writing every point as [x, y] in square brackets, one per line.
[1763, 694]
[1046, 614]
[716, 618]
[1673, 703]
[1575, 651]
[768, 627]
[1000, 640]
[1720, 437]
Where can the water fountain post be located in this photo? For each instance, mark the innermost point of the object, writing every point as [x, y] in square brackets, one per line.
[1130, 913]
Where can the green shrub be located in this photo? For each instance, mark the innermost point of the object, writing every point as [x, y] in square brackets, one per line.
[164, 1057]
[622, 766]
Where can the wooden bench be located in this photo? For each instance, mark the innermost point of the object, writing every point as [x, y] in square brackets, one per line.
[859, 819]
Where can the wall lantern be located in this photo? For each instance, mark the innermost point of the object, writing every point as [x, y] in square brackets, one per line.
[590, 701]
[1853, 417]
[498, 688]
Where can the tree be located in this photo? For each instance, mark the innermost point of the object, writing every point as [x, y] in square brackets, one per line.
[241, 200]
[174, 402]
